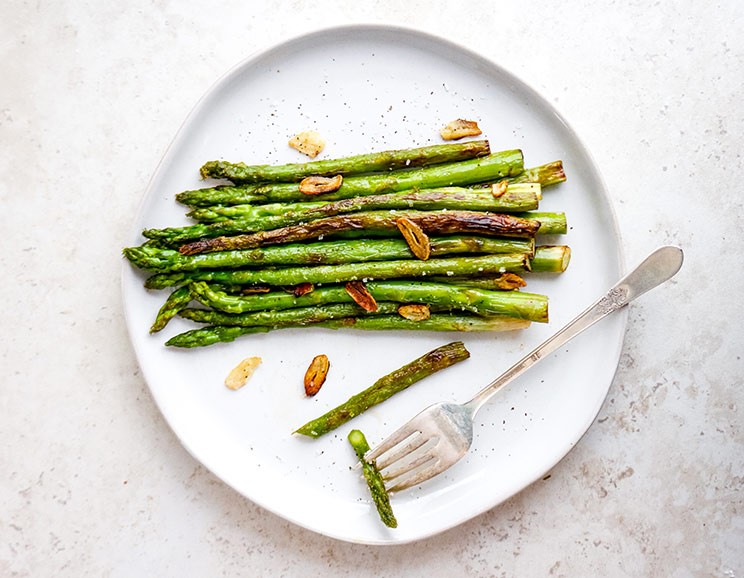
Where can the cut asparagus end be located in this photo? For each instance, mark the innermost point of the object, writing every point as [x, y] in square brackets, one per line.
[550, 223]
[374, 479]
[551, 259]
[546, 175]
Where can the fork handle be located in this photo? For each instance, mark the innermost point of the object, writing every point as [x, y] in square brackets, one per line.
[659, 266]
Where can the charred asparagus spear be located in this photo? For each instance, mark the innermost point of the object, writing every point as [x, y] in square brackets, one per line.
[386, 387]
[550, 224]
[478, 170]
[437, 222]
[320, 253]
[374, 479]
[516, 304]
[354, 165]
[452, 266]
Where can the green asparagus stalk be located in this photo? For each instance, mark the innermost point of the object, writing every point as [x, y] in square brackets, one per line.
[213, 334]
[319, 253]
[550, 224]
[439, 222]
[386, 387]
[437, 322]
[358, 164]
[551, 259]
[515, 304]
[374, 479]
[478, 170]
[283, 317]
[503, 282]
[177, 301]
[487, 264]
[519, 197]
[546, 175]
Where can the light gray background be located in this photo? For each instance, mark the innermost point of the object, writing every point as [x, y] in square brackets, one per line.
[92, 481]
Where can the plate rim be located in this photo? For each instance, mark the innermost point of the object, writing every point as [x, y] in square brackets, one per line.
[427, 36]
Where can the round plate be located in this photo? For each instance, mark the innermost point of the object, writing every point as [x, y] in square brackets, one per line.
[367, 88]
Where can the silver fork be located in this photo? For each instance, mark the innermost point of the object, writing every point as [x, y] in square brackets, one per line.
[439, 436]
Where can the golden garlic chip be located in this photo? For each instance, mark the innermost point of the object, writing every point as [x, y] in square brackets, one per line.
[460, 128]
[239, 376]
[414, 312]
[317, 185]
[309, 143]
[417, 240]
[316, 374]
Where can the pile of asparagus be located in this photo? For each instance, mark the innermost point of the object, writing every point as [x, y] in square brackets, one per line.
[264, 255]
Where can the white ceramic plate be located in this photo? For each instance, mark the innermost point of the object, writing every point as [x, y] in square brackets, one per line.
[371, 88]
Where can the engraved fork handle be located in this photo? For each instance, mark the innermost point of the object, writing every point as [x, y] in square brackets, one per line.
[659, 266]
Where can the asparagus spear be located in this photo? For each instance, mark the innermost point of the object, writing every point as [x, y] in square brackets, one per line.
[213, 334]
[547, 259]
[387, 386]
[296, 316]
[319, 253]
[519, 197]
[487, 264]
[431, 222]
[358, 164]
[516, 304]
[177, 301]
[478, 170]
[550, 224]
[546, 175]
[503, 282]
[437, 322]
[551, 259]
[374, 479]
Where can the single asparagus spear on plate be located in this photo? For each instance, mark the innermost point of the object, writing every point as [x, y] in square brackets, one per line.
[546, 175]
[436, 222]
[551, 259]
[354, 165]
[478, 170]
[213, 334]
[519, 197]
[449, 266]
[386, 387]
[319, 253]
[550, 224]
[520, 305]
[177, 301]
[283, 317]
[437, 322]
[374, 479]
[503, 282]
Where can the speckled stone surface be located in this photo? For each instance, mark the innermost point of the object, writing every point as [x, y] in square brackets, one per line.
[93, 482]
